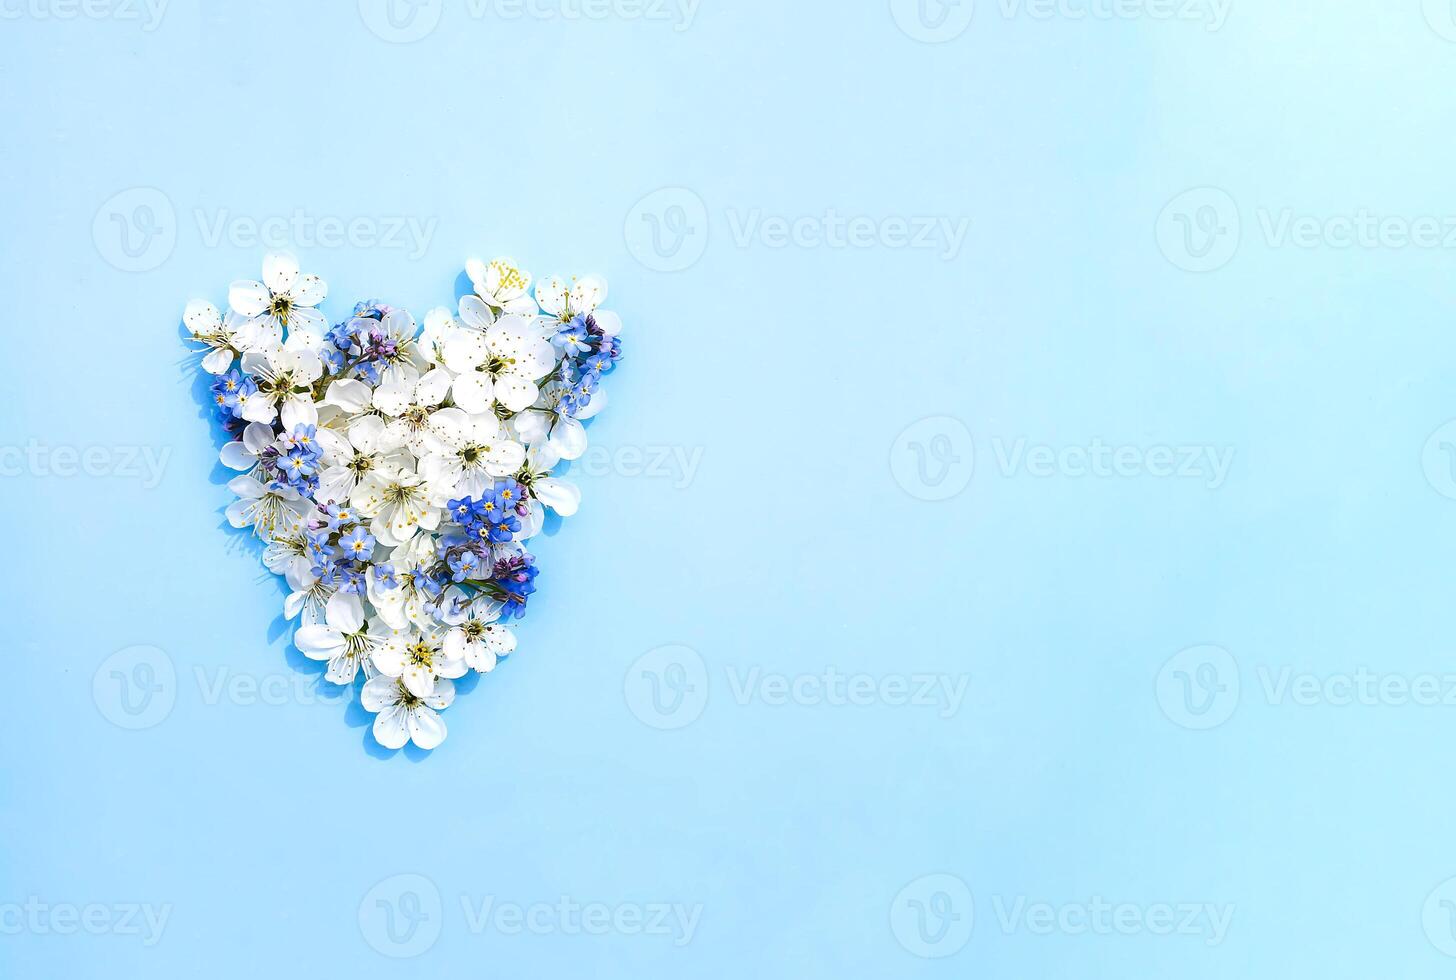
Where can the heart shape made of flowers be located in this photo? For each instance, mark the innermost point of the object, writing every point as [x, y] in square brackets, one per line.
[396, 473]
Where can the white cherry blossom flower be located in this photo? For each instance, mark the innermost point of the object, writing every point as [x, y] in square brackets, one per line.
[208, 327]
[308, 597]
[244, 453]
[480, 641]
[475, 451]
[500, 363]
[403, 716]
[343, 639]
[398, 503]
[502, 284]
[560, 495]
[418, 659]
[562, 300]
[411, 402]
[546, 423]
[284, 300]
[440, 325]
[350, 455]
[285, 380]
[269, 509]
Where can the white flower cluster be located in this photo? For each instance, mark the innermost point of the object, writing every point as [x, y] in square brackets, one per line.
[397, 474]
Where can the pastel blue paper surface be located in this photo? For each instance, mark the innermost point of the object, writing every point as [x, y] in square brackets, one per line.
[1019, 542]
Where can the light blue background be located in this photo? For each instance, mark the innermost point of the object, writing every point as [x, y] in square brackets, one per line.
[794, 548]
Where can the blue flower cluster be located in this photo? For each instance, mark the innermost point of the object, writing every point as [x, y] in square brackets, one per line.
[514, 579]
[339, 550]
[470, 558]
[587, 354]
[228, 393]
[360, 344]
[299, 458]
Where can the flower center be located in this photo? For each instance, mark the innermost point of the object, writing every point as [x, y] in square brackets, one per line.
[421, 654]
[398, 493]
[496, 365]
[281, 307]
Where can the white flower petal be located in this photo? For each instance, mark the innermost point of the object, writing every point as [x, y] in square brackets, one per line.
[318, 642]
[551, 294]
[475, 313]
[588, 293]
[248, 297]
[280, 270]
[432, 388]
[298, 410]
[391, 728]
[559, 495]
[350, 395]
[568, 438]
[379, 693]
[474, 392]
[235, 456]
[345, 612]
[515, 393]
[427, 729]
[217, 361]
[309, 290]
